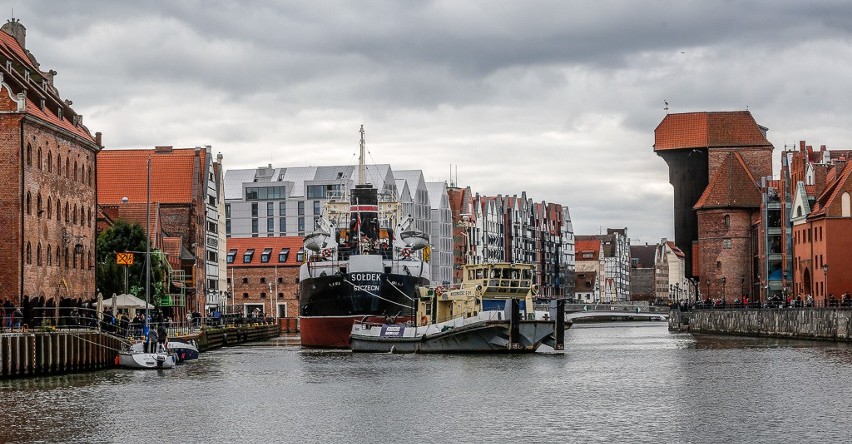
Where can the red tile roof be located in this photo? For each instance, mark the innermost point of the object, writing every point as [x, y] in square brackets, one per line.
[731, 186]
[259, 244]
[10, 46]
[832, 191]
[677, 251]
[587, 246]
[123, 173]
[707, 130]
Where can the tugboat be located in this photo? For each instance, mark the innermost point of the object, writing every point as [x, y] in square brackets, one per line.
[363, 261]
[492, 312]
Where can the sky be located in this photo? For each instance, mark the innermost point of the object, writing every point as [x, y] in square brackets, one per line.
[556, 98]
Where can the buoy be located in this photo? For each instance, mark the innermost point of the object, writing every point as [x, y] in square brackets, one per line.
[117, 360]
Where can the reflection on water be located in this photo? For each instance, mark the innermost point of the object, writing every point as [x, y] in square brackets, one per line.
[620, 382]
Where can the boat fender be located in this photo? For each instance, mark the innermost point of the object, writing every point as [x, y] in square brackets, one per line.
[116, 360]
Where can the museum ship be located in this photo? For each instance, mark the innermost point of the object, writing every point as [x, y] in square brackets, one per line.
[363, 262]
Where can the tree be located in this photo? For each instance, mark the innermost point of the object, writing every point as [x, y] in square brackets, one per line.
[125, 237]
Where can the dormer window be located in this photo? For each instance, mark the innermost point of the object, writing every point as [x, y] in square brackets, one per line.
[264, 257]
[232, 254]
[282, 255]
[248, 255]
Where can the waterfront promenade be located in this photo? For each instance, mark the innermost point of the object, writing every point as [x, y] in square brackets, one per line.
[830, 324]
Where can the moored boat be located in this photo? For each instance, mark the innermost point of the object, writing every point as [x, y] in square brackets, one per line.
[364, 261]
[146, 360]
[492, 312]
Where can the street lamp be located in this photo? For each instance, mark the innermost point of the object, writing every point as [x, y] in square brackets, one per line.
[825, 289]
[724, 281]
[677, 292]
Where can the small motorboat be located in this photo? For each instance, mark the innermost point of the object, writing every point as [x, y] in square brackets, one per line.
[183, 350]
[146, 360]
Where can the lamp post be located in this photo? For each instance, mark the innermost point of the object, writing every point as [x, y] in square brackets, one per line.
[694, 289]
[825, 289]
[671, 293]
[677, 292]
[724, 296]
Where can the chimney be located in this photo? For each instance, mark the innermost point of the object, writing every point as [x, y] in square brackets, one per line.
[98, 137]
[14, 28]
[163, 149]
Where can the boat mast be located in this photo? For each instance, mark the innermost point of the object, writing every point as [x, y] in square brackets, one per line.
[361, 168]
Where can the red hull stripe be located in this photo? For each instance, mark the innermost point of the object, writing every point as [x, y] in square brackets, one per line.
[365, 208]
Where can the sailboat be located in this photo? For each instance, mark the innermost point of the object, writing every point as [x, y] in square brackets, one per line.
[159, 358]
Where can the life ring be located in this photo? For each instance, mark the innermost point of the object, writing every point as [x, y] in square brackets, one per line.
[439, 290]
[406, 253]
[326, 252]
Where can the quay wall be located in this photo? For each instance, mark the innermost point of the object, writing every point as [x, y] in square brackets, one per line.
[51, 353]
[215, 337]
[794, 323]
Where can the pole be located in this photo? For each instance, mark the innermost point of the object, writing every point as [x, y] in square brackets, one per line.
[148, 248]
[275, 309]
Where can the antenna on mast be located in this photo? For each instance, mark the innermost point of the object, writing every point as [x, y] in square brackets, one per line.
[361, 167]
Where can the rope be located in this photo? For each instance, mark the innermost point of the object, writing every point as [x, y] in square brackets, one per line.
[373, 294]
[95, 343]
[400, 291]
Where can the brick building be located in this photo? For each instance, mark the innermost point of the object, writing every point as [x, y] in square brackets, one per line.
[716, 161]
[48, 189]
[263, 274]
[186, 221]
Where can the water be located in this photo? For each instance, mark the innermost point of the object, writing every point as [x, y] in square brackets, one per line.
[622, 382]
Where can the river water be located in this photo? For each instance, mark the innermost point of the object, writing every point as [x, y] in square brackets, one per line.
[619, 382]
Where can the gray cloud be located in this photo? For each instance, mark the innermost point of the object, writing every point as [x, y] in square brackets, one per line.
[559, 99]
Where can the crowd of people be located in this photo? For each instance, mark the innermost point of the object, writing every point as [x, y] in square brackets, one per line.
[806, 301]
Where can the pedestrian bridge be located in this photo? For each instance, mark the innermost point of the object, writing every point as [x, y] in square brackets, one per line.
[614, 312]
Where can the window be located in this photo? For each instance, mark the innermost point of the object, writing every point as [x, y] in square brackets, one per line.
[245, 295]
[38, 254]
[29, 253]
[228, 210]
[587, 255]
[67, 166]
[267, 252]
[270, 209]
[282, 208]
[254, 227]
[270, 225]
[265, 193]
[280, 280]
[67, 213]
[38, 159]
[49, 255]
[75, 214]
[727, 221]
[726, 244]
[282, 224]
[228, 226]
[263, 280]
[300, 255]
[29, 203]
[211, 200]
[38, 205]
[245, 280]
[58, 164]
[301, 208]
[282, 255]
[254, 209]
[263, 295]
[29, 155]
[248, 255]
[301, 226]
[75, 170]
[49, 162]
[317, 209]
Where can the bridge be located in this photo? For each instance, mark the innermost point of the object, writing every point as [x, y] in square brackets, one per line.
[614, 312]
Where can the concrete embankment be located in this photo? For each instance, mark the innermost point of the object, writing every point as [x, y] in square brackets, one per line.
[793, 323]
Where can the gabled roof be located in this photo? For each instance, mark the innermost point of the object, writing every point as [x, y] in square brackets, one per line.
[123, 173]
[259, 244]
[677, 251]
[800, 203]
[708, 130]
[731, 186]
[437, 191]
[833, 191]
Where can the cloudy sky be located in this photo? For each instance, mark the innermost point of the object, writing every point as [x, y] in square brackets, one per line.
[556, 98]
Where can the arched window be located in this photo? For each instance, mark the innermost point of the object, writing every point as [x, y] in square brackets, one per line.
[66, 257]
[75, 214]
[727, 221]
[49, 162]
[49, 207]
[58, 257]
[75, 170]
[38, 205]
[74, 261]
[38, 254]
[29, 203]
[29, 253]
[49, 255]
[58, 164]
[38, 158]
[67, 167]
[67, 216]
[29, 155]
[89, 217]
[798, 211]
[845, 205]
[89, 173]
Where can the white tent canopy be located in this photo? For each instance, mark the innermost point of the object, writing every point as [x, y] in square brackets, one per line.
[126, 301]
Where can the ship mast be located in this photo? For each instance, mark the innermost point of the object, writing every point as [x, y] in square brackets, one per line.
[361, 167]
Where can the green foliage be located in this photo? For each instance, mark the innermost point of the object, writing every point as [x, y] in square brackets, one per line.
[125, 237]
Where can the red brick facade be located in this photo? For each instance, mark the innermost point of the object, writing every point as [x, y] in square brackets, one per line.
[263, 273]
[48, 166]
